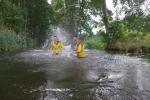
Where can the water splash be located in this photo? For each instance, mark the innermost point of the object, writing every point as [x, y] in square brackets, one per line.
[64, 37]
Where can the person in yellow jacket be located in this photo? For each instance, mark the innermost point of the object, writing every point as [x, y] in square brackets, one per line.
[56, 46]
[80, 49]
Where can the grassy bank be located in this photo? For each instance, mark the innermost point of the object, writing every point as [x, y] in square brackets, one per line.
[9, 41]
[94, 42]
[132, 42]
[129, 42]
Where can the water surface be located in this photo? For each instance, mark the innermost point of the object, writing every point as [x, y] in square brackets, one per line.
[37, 75]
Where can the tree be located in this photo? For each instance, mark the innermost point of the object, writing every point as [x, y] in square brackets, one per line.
[12, 16]
[73, 16]
[26, 16]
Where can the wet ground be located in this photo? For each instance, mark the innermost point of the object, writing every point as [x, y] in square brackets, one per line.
[37, 75]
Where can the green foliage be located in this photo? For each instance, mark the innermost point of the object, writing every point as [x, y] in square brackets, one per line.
[93, 42]
[1, 20]
[10, 41]
[138, 22]
[132, 42]
[38, 16]
[26, 16]
[96, 3]
[12, 15]
[116, 30]
[72, 16]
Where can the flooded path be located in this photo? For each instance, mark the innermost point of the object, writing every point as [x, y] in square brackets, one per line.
[36, 75]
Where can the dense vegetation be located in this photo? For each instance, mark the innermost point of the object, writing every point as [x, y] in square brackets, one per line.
[34, 18]
[94, 42]
[130, 34]
[129, 42]
[10, 41]
[22, 22]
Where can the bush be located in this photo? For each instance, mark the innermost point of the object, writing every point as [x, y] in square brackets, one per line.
[10, 41]
[115, 32]
[129, 41]
[132, 42]
[93, 42]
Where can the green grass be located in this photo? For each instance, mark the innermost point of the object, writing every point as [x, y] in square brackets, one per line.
[10, 41]
[132, 42]
[94, 42]
[128, 42]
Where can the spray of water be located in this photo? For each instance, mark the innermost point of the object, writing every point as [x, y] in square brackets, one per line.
[65, 38]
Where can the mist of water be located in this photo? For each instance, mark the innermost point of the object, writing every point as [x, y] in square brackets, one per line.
[63, 36]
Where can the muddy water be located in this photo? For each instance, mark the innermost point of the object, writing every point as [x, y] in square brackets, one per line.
[37, 75]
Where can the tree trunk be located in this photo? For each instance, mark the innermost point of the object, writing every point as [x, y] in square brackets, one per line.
[105, 15]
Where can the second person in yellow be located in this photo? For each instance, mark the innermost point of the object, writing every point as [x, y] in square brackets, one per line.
[79, 48]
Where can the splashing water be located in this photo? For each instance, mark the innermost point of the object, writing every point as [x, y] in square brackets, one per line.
[65, 38]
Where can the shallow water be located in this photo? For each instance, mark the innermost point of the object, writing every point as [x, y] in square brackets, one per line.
[37, 75]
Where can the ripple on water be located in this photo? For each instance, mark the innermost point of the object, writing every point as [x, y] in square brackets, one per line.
[98, 76]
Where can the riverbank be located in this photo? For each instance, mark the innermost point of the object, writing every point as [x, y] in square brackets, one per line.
[131, 44]
[10, 41]
[127, 44]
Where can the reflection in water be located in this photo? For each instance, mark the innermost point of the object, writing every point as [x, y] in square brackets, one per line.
[17, 80]
[35, 75]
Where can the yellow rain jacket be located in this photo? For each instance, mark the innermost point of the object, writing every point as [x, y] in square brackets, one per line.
[56, 48]
[80, 50]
